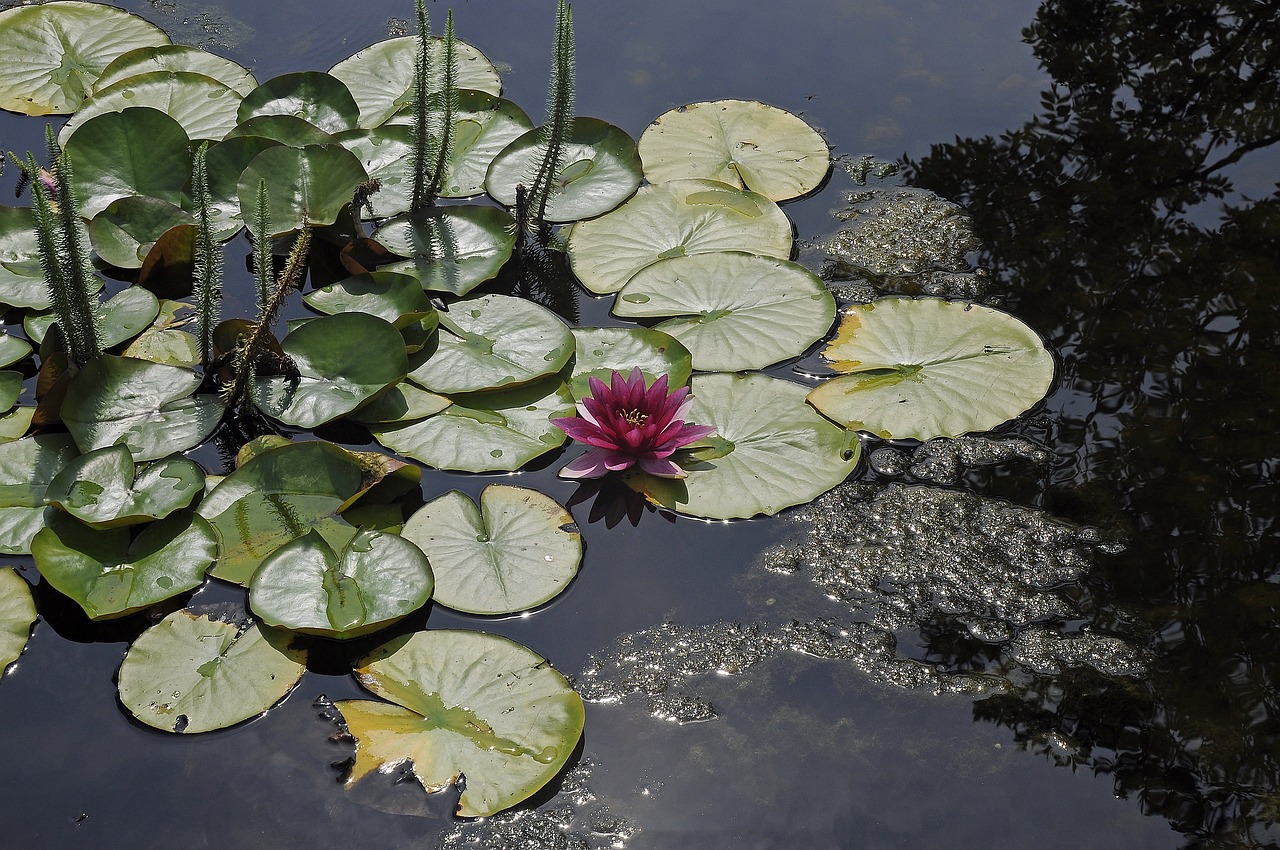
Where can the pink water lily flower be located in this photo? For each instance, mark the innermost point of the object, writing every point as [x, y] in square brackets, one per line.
[627, 425]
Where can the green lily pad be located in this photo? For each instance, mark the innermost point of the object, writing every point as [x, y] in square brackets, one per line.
[496, 431]
[342, 362]
[110, 573]
[191, 673]
[26, 468]
[402, 403]
[52, 54]
[122, 317]
[599, 352]
[924, 368]
[163, 342]
[380, 77]
[383, 294]
[600, 170]
[494, 341]
[224, 163]
[313, 96]
[307, 586]
[146, 406]
[10, 389]
[204, 107]
[177, 57]
[452, 249]
[783, 453]
[21, 277]
[134, 151]
[15, 424]
[17, 616]
[514, 552]
[13, 349]
[741, 142]
[305, 186]
[279, 494]
[672, 220]
[284, 129]
[125, 231]
[483, 126]
[504, 717]
[734, 311]
[105, 489]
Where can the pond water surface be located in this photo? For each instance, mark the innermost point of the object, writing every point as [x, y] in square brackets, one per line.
[1063, 636]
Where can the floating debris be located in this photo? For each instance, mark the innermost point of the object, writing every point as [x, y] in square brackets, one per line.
[901, 231]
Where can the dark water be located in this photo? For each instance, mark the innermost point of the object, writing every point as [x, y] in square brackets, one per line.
[1117, 161]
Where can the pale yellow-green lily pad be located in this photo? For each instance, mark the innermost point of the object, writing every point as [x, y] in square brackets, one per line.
[17, 614]
[466, 704]
[926, 367]
[672, 220]
[742, 142]
[52, 54]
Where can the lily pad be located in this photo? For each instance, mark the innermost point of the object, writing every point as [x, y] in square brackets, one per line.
[342, 362]
[494, 341]
[17, 616]
[13, 349]
[742, 142]
[600, 170]
[110, 573]
[21, 277]
[26, 468]
[734, 311]
[483, 126]
[380, 77]
[452, 249]
[134, 151]
[307, 586]
[147, 406]
[599, 352]
[163, 342]
[224, 163]
[16, 423]
[10, 389]
[315, 97]
[52, 54]
[279, 494]
[924, 368]
[497, 431]
[105, 489]
[305, 186]
[177, 57]
[474, 704]
[191, 673]
[285, 129]
[672, 220]
[783, 453]
[383, 294]
[514, 552]
[122, 317]
[402, 403]
[125, 231]
[204, 107]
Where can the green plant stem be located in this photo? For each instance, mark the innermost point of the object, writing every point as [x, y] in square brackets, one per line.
[208, 259]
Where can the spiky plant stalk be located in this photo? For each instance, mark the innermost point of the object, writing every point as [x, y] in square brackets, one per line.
[251, 350]
[448, 109]
[263, 262]
[558, 126]
[64, 258]
[421, 155]
[207, 274]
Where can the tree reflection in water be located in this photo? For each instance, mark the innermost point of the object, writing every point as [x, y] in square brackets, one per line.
[1111, 223]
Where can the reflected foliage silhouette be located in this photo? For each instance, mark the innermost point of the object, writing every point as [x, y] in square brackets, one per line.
[1114, 225]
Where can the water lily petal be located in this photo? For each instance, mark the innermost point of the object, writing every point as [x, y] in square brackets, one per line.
[662, 468]
[596, 462]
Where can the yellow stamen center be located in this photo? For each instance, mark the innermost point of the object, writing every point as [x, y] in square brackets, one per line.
[633, 417]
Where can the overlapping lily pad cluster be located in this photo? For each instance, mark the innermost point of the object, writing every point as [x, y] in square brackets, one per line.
[419, 338]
